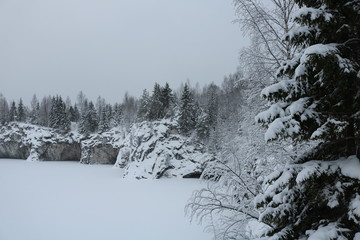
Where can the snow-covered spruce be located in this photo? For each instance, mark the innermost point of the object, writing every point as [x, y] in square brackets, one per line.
[313, 200]
[317, 98]
[156, 149]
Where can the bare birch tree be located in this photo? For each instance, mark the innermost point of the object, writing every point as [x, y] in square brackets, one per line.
[226, 204]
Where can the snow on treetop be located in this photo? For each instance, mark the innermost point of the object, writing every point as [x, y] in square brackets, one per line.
[283, 86]
[317, 49]
[313, 13]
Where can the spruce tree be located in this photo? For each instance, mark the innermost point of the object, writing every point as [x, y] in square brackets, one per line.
[13, 112]
[35, 110]
[117, 115]
[4, 110]
[166, 99]
[144, 103]
[187, 119]
[21, 112]
[213, 105]
[203, 125]
[155, 106]
[89, 120]
[58, 117]
[104, 122]
[317, 97]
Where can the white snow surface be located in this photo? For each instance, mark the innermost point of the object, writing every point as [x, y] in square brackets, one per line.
[68, 200]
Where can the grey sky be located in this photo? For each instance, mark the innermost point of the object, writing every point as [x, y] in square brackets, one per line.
[107, 47]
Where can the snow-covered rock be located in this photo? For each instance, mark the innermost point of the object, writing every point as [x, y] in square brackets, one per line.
[155, 150]
[147, 150]
[101, 148]
[34, 143]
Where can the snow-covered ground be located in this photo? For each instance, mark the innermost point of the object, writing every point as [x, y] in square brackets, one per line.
[68, 200]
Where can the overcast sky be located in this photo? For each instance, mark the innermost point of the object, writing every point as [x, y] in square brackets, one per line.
[108, 47]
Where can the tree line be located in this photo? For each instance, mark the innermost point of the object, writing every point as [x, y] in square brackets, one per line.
[197, 111]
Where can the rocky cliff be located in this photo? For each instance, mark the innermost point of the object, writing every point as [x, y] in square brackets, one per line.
[155, 150]
[146, 150]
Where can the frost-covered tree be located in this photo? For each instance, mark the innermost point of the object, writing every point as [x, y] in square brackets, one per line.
[58, 117]
[203, 125]
[317, 98]
[81, 102]
[34, 111]
[187, 119]
[13, 112]
[44, 111]
[166, 99]
[144, 104]
[243, 157]
[117, 115]
[21, 111]
[129, 109]
[4, 110]
[105, 119]
[88, 121]
[155, 105]
[73, 113]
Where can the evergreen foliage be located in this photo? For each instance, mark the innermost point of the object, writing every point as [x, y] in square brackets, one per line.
[4, 110]
[317, 98]
[35, 111]
[144, 103]
[13, 115]
[203, 125]
[156, 106]
[73, 113]
[21, 112]
[166, 98]
[187, 119]
[58, 117]
[88, 121]
[105, 119]
[117, 115]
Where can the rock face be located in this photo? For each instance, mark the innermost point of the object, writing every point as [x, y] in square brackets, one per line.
[155, 150]
[101, 148]
[147, 150]
[36, 143]
[60, 151]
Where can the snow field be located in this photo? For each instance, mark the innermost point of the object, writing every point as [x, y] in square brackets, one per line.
[68, 200]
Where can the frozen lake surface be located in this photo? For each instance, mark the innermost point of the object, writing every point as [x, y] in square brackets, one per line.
[68, 200]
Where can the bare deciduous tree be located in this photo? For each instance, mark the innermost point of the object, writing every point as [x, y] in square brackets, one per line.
[226, 204]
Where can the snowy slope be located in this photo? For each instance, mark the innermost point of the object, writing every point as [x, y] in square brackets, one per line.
[72, 201]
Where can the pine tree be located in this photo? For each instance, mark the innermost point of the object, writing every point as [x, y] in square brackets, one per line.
[166, 98]
[213, 105]
[89, 120]
[117, 115]
[21, 112]
[144, 103]
[155, 106]
[4, 110]
[203, 125]
[35, 110]
[317, 98]
[58, 117]
[187, 119]
[104, 122]
[44, 111]
[13, 115]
